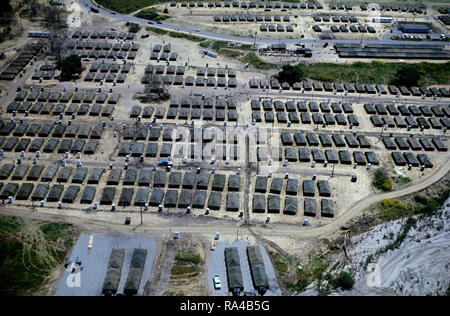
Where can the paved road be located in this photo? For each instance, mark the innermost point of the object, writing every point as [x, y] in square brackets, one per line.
[87, 3]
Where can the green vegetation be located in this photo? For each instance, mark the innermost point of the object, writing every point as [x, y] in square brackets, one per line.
[181, 270]
[189, 37]
[433, 204]
[127, 7]
[186, 36]
[402, 180]
[290, 74]
[406, 75]
[312, 271]
[253, 60]
[156, 30]
[70, 67]
[375, 72]
[381, 180]
[29, 251]
[343, 281]
[420, 199]
[133, 27]
[279, 262]
[151, 14]
[186, 256]
[391, 209]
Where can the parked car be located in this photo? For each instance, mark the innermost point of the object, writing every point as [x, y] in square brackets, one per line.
[213, 245]
[217, 283]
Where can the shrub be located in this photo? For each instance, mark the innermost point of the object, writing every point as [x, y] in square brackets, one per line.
[290, 74]
[344, 281]
[420, 199]
[381, 180]
[70, 67]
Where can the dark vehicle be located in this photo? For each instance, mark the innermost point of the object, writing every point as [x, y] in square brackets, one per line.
[325, 45]
[113, 13]
[158, 22]
[150, 22]
[94, 10]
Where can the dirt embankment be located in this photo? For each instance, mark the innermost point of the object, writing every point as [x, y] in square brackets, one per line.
[180, 270]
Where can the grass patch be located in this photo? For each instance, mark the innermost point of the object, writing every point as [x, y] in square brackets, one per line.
[156, 30]
[253, 60]
[127, 7]
[231, 53]
[182, 270]
[29, 252]
[279, 262]
[375, 72]
[188, 257]
[189, 37]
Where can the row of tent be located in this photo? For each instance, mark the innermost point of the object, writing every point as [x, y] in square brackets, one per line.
[105, 46]
[411, 110]
[66, 97]
[343, 28]
[416, 144]
[409, 122]
[190, 81]
[25, 172]
[350, 88]
[93, 131]
[114, 272]
[305, 154]
[305, 118]
[250, 5]
[251, 18]
[291, 206]
[292, 186]
[234, 272]
[400, 51]
[103, 35]
[56, 109]
[19, 62]
[61, 146]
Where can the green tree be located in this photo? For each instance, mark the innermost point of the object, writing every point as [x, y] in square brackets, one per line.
[70, 67]
[407, 75]
[291, 74]
[344, 281]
